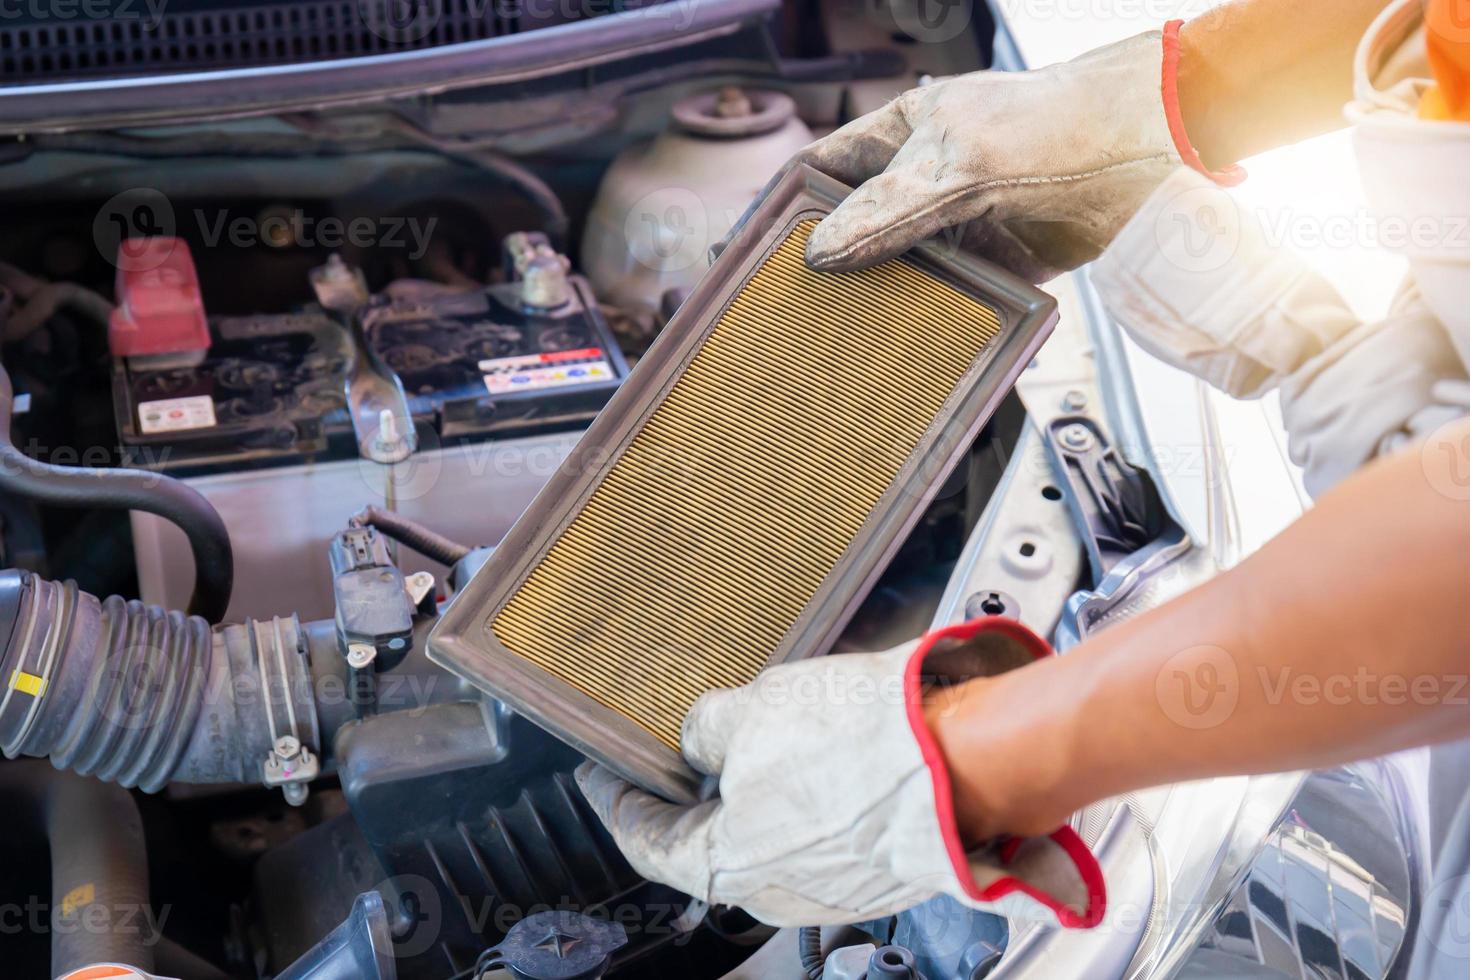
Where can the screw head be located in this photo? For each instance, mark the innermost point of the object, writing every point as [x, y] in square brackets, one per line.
[1074, 400]
[419, 584]
[1076, 436]
[288, 747]
[360, 655]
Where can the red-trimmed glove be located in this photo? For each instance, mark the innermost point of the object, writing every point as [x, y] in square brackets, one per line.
[1035, 170]
[834, 802]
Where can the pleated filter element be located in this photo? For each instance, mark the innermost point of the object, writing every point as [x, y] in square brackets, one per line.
[738, 496]
[699, 550]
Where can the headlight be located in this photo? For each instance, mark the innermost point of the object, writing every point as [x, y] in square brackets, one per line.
[1331, 894]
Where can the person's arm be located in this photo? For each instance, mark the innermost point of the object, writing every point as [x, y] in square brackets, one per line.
[1038, 171]
[855, 785]
[1257, 74]
[1344, 638]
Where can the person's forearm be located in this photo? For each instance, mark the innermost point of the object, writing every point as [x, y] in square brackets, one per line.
[1257, 74]
[1345, 637]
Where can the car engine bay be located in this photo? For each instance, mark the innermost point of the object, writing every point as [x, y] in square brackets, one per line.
[275, 384]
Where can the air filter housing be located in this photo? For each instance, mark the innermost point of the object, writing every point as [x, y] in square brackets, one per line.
[737, 498]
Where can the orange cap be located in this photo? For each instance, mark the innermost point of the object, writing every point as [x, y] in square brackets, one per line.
[1447, 36]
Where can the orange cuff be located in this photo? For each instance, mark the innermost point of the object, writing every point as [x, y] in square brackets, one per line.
[1091, 912]
[1231, 175]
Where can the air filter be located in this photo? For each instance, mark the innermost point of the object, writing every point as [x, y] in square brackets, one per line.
[736, 499]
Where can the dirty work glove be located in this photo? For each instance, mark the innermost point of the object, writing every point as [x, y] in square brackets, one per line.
[1196, 281]
[834, 802]
[1450, 403]
[1034, 170]
[1386, 384]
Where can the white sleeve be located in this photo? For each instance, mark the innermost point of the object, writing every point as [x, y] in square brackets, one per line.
[1195, 281]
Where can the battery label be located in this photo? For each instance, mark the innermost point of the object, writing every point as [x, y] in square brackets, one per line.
[587, 365]
[176, 414]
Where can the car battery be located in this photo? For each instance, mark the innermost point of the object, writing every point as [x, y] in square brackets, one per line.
[482, 363]
[270, 389]
[499, 382]
[528, 356]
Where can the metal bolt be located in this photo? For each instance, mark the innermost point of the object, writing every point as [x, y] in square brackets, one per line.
[390, 435]
[281, 225]
[295, 793]
[1074, 400]
[732, 102]
[336, 269]
[360, 655]
[544, 282]
[288, 747]
[1076, 436]
[419, 584]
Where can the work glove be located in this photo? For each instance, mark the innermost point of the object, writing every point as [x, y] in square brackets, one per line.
[1451, 402]
[1386, 384]
[1194, 280]
[1035, 170]
[834, 800]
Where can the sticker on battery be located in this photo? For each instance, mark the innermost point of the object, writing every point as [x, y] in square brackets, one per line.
[176, 414]
[531, 372]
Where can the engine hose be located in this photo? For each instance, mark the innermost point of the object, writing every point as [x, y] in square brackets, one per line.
[99, 864]
[141, 696]
[109, 688]
[809, 945]
[431, 544]
[43, 304]
[154, 493]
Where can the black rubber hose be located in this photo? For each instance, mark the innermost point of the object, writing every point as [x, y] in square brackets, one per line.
[99, 864]
[50, 298]
[143, 696]
[809, 945]
[431, 544]
[108, 688]
[153, 493]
